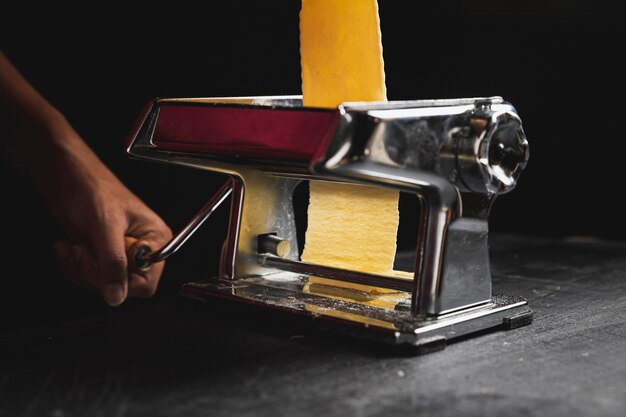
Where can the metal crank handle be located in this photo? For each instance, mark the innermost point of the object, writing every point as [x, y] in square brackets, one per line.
[141, 256]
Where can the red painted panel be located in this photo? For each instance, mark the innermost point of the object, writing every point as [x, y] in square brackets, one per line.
[248, 132]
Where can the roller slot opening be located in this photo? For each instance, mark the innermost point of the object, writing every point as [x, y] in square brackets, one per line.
[408, 227]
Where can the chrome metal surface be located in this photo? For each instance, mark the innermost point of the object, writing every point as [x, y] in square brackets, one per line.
[285, 291]
[381, 281]
[466, 272]
[265, 207]
[229, 248]
[270, 243]
[440, 150]
[477, 144]
[455, 155]
[144, 259]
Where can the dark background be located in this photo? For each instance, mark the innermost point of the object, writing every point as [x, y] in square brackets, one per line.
[558, 62]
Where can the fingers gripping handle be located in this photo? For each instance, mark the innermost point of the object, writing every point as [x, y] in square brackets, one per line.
[137, 254]
[141, 256]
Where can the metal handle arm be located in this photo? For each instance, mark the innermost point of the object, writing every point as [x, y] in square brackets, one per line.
[140, 254]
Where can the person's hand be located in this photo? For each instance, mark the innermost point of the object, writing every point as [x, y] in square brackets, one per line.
[94, 208]
[96, 212]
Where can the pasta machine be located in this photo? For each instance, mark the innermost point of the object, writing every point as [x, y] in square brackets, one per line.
[455, 155]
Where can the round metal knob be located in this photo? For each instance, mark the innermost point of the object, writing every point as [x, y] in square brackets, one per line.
[503, 152]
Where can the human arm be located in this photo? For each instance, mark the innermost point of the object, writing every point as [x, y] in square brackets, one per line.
[94, 208]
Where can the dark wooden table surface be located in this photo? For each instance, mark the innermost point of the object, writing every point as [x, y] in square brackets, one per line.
[167, 357]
